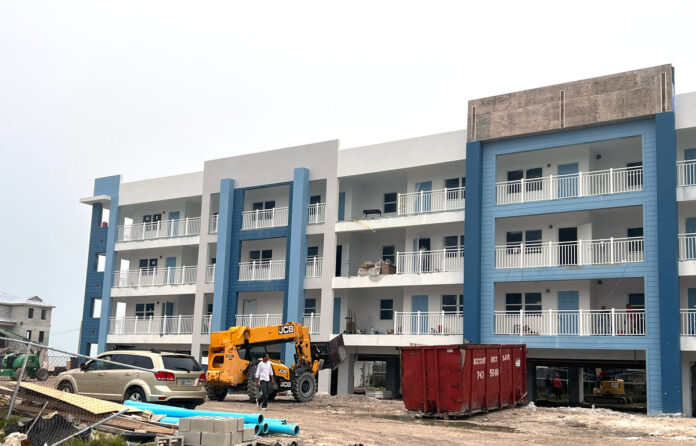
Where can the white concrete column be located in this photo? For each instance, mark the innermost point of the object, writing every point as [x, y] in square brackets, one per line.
[345, 375]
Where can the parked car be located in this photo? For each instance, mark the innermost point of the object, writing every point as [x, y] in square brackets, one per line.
[174, 378]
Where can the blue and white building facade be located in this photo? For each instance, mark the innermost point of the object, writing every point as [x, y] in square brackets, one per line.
[579, 235]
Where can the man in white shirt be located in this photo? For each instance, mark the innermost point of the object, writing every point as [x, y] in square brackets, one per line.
[264, 380]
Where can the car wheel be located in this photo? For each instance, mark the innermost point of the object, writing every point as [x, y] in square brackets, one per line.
[41, 374]
[65, 386]
[135, 394]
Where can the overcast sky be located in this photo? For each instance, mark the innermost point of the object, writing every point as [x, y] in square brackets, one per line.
[147, 89]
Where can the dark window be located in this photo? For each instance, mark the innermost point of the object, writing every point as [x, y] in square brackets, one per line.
[29, 334]
[213, 260]
[43, 314]
[532, 174]
[41, 336]
[258, 206]
[454, 243]
[30, 314]
[313, 251]
[254, 255]
[266, 254]
[513, 241]
[634, 232]
[634, 174]
[516, 176]
[315, 199]
[180, 362]
[513, 301]
[310, 306]
[532, 241]
[153, 264]
[452, 183]
[388, 254]
[455, 183]
[532, 302]
[144, 310]
[451, 303]
[269, 204]
[210, 309]
[390, 202]
[386, 309]
[123, 361]
[637, 301]
[143, 361]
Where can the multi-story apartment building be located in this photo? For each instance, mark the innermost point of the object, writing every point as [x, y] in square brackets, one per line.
[29, 317]
[580, 226]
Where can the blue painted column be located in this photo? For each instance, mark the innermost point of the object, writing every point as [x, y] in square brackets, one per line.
[668, 254]
[222, 256]
[108, 186]
[297, 252]
[472, 243]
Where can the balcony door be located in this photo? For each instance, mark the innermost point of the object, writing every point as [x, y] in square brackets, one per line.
[567, 180]
[568, 305]
[419, 303]
[568, 246]
[690, 241]
[249, 306]
[173, 223]
[424, 204]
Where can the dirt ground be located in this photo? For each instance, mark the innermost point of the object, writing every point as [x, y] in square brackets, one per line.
[355, 419]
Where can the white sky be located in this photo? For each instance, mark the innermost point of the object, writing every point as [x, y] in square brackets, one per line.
[147, 89]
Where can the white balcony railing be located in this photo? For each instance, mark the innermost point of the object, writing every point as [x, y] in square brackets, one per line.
[162, 325]
[317, 213]
[182, 227]
[265, 218]
[420, 262]
[210, 274]
[608, 322]
[688, 321]
[312, 321]
[583, 252]
[213, 224]
[428, 323]
[145, 277]
[262, 270]
[687, 247]
[258, 320]
[439, 200]
[313, 267]
[686, 173]
[206, 324]
[582, 184]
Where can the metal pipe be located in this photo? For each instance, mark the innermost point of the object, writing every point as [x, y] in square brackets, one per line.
[19, 382]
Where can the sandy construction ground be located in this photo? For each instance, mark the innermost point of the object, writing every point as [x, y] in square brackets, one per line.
[355, 419]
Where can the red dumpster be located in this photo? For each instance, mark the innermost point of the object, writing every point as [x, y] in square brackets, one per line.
[463, 379]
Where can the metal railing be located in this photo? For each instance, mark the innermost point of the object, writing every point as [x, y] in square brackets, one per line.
[213, 224]
[686, 173]
[317, 213]
[428, 323]
[182, 227]
[143, 277]
[688, 321]
[265, 218]
[258, 320]
[262, 270]
[581, 184]
[312, 320]
[419, 262]
[439, 200]
[606, 322]
[206, 324]
[583, 252]
[313, 267]
[687, 246]
[162, 325]
[210, 274]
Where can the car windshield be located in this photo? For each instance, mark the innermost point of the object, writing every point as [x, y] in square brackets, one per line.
[181, 362]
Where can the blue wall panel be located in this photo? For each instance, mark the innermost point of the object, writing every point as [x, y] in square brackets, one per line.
[472, 245]
[222, 259]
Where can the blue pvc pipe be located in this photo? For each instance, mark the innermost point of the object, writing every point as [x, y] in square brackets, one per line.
[278, 428]
[264, 428]
[276, 420]
[169, 420]
[180, 412]
[257, 428]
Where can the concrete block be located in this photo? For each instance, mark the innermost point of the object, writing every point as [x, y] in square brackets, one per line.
[202, 424]
[237, 437]
[191, 438]
[213, 439]
[227, 424]
[248, 434]
[184, 425]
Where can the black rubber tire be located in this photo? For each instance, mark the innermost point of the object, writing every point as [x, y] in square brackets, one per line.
[304, 387]
[216, 393]
[135, 394]
[65, 386]
[41, 374]
[253, 390]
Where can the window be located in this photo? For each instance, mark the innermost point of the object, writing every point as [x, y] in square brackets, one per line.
[313, 251]
[43, 314]
[28, 335]
[180, 362]
[210, 309]
[93, 349]
[634, 232]
[637, 301]
[532, 302]
[454, 244]
[147, 265]
[532, 174]
[41, 336]
[258, 206]
[213, 260]
[513, 241]
[96, 307]
[315, 199]
[265, 255]
[634, 245]
[532, 241]
[451, 303]
[455, 183]
[388, 254]
[634, 174]
[254, 255]
[143, 361]
[269, 204]
[514, 185]
[123, 361]
[390, 203]
[310, 306]
[513, 301]
[386, 309]
[101, 262]
[30, 313]
[144, 310]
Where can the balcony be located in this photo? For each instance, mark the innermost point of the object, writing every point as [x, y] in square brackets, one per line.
[265, 218]
[155, 277]
[423, 202]
[210, 274]
[317, 213]
[183, 227]
[428, 323]
[422, 262]
[262, 270]
[686, 173]
[607, 322]
[213, 224]
[582, 184]
[263, 320]
[609, 251]
[206, 324]
[161, 325]
[313, 267]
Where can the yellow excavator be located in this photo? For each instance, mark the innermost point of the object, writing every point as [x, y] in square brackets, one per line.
[610, 391]
[234, 354]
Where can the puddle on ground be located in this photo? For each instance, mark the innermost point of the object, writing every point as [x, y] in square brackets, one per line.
[439, 422]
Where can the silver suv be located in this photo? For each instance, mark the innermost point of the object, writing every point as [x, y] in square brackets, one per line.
[173, 378]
